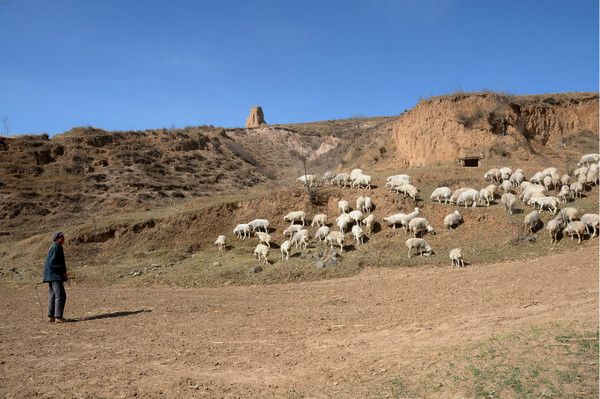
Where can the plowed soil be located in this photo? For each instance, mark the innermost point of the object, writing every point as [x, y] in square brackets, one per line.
[332, 338]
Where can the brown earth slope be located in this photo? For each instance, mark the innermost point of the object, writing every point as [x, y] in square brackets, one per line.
[496, 125]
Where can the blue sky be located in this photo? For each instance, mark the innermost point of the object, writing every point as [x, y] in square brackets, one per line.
[133, 64]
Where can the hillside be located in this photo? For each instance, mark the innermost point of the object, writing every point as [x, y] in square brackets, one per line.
[143, 207]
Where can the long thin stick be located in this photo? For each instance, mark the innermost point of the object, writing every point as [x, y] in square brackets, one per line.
[39, 300]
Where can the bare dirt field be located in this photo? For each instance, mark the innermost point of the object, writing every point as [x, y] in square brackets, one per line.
[525, 328]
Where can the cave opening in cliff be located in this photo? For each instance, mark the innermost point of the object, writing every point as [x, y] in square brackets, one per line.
[471, 163]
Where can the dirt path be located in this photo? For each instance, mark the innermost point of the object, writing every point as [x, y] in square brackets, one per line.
[319, 339]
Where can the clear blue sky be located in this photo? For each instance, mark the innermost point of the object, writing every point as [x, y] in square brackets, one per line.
[133, 64]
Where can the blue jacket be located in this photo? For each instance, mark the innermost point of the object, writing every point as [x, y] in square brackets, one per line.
[55, 267]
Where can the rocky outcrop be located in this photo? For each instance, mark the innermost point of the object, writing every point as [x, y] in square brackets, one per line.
[448, 127]
[256, 118]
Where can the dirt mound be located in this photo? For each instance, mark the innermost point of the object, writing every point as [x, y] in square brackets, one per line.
[495, 125]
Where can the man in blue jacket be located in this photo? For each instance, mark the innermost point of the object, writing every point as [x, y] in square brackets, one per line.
[55, 274]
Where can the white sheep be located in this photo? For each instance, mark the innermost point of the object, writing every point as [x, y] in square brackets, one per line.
[300, 238]
[452, 220]
[368, 205]
[487, 194]
[508, 200]
[285, 249]
[335, 237]
[456, 257]
[356, 216]
[591, 178]
[457, 193]
[506, 186]
[220, 243]
[295, 216]
[588, 159]
[576, 228]
[343, 206]
[360, 202]
[505, 173]
[547, 182]
[565, 180]
[242, 231]
[358, 234]
[264, 238]
[554, 227]
[577, 189]
[420, 245]
[592, 221]
[341, 179]
[517, 177]
[550, 203]
[257, 224]
[467, 197]
[368, 222]
[532, 221]
[289, 232]
[327, 177]
[397, 180]
[262, 251]
[354, 173]
[492, 175]
[343, 221]
[408, 190]
[537, 178]
[307, 180]
[320, 219]
[570, 213]
[565, 194]
[441, 193]
[362, 181]
[420, 225]
[321, 233]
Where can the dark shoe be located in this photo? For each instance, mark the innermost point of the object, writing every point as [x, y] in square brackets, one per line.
[59, 320]
[51, 319]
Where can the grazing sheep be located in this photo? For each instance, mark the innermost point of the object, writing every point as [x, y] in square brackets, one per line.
[300, 239]
[591, 178]
[576, 228]
[220, 243]
[565, 194]
[289, 232]
[452, 220]
[570, 213]
[343, 221]
[341, 179]
[550, 203]
[321, 233]
[588, 159]
[343, 206]
[285, 249]
[577, 189]
[262, 251]
[408, 190]
[548, 182]
[554, 227]
[457, 193]
[467, 197]
[531, 191]
[296, 216]
[336, 237]
[441, 193]
[368, 205]
[308, 180]
[259, 224]
[368, 222]
[242, 231]
[320, 219]
[532, 221]
[420, 245]
[327, 177]
[397, 180]
[506, 186]
[264, 238]
[592, 221]
[492, 175]
[487, 194]
[456, 257]
[356, 216]
[508, 200]
[401, 218]
[362, 181]
[358, 234]
[565, 180]
[360, 202]
[354, 173]
[505, 173]
[420, 225]
[517, 177]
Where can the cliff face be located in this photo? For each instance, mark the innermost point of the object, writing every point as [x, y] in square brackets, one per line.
[489, 124]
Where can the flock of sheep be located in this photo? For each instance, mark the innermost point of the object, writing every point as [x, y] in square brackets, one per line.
[508, 184]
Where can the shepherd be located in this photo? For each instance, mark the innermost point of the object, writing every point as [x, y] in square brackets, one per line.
[55, 274]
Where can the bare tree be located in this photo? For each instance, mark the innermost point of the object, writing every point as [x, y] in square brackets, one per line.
[313, 192]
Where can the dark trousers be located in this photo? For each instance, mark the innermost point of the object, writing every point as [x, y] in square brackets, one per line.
[57, 296]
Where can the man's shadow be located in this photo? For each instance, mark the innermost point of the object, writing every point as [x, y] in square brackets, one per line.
[122, 313]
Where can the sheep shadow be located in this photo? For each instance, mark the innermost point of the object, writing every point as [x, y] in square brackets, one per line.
[376, 228]
[349, 248]
[537, 227]
[518, 211]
